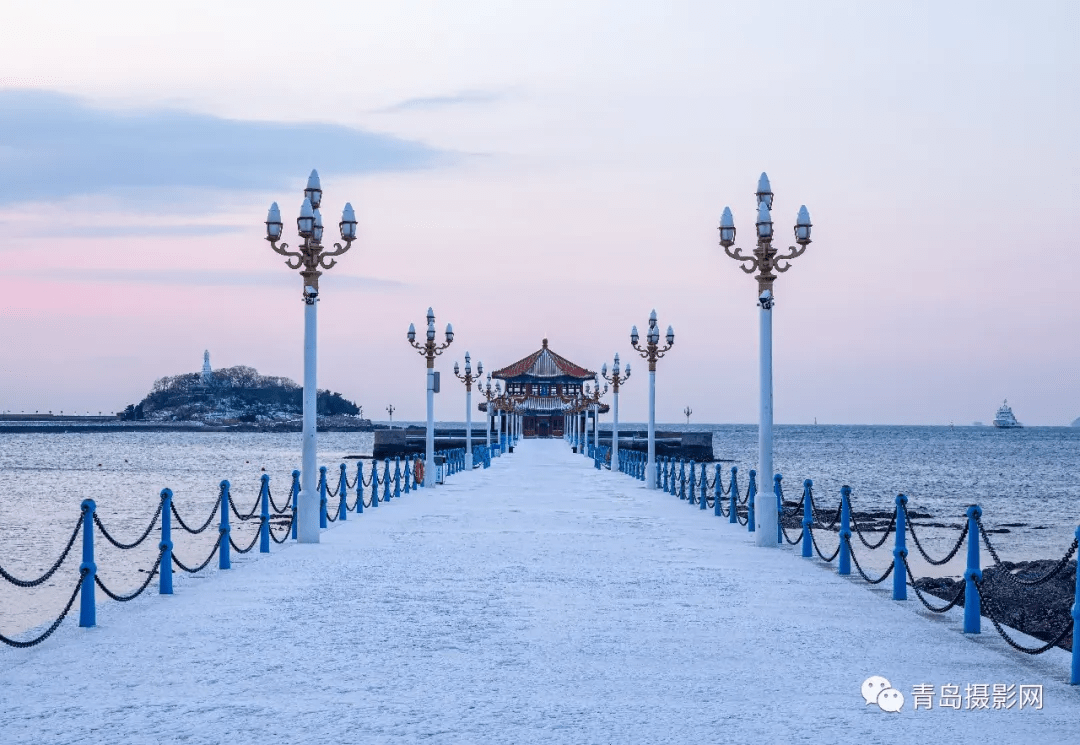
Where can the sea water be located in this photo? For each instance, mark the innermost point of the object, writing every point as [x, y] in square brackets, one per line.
[1027, 479]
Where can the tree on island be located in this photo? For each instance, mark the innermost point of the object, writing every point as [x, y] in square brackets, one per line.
[235, 393]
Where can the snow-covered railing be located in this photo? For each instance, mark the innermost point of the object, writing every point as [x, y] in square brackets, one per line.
[407, 476]
[691, 483]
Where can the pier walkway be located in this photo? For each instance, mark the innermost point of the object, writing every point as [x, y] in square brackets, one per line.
[538, 601]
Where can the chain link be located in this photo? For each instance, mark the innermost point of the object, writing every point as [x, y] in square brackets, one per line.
[202, 566]
[137, 593]
[284, 536]
[52, 570]
[926, 556]
[254, 540]
[248, 516]
[1009, 640]
[55, 624]
[126, 546]
[783, 530]
[879, 580]
[273, 506]
[813, 539]
[1027, 582]
[888, 532]
[918, 593]
[205, 525]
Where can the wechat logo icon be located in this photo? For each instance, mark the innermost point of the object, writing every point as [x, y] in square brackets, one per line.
[878, 690]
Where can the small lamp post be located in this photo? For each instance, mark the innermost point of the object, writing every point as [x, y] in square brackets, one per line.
[430, 350]
[764, 261]
[390, 410]
[618, 377]
[688, 411]
[310, 259]
[652, 352]
[468, 379]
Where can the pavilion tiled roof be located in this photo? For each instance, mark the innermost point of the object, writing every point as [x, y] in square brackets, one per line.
[543, 363]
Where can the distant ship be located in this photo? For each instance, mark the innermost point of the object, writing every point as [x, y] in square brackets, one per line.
[1005, 419]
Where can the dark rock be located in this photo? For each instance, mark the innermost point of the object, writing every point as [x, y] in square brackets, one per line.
[1041, 611]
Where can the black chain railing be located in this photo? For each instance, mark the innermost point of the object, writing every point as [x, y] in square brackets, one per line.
[827, 559]
[55, 624]
[918, 593]
[125, 546]
[864, 575]
[922, 551]
[888, 531]
[1003, 572]
[988, 604]
[131, 596]
[205, 525]
[273, 506]
[251, 515]
[189, 570]
[52, 570]
[254, 540]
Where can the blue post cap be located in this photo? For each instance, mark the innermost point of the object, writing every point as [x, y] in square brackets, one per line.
[808, 482]
[265, 477]
[89, 504]
[845, 490]
[166, 493]
[901, 500]
[224, 484]
[734, 469]
[777, 477]
[322, 469]
[974, 511]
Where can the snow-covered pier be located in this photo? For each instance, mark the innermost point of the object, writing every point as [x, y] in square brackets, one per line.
[538, 601]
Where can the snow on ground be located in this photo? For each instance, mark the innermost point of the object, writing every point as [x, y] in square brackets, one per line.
[538, 601]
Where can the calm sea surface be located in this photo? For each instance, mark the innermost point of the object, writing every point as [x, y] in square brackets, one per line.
[1028, 479]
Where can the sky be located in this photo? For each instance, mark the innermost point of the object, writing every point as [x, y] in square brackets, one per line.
[548, 169]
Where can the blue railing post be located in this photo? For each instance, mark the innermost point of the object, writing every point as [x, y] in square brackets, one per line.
[322, 496]
[656, 475]
[845, 530]
[359, 487]
[733, 494]
[751, 498]
[374, 483]
[88, 569]
[223, 529]
[1075, 679]
[808, 519]
[682, 479]
[397, 476]
[899, 572]
[693, 484]
[705, 484]
[343, 493]
[166, 545]
[972, 574]
[264, 515]
[406, 473]
[386, 480]
[294, 496]
[778, 489]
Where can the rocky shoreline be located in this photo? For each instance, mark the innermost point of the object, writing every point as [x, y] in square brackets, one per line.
[1041, 611]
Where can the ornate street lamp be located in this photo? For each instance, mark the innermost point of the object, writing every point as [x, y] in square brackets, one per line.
[688, 411]
[430, 350]
[468, 379]
[617, 378]
[592, 403]
[765, 261]
[310, 258]
[489, 395]
[390, 410]
[652, 352]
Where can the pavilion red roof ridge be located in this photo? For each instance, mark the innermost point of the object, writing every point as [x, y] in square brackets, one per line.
[565, 366]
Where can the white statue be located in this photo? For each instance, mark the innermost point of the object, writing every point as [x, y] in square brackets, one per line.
[207, 373]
